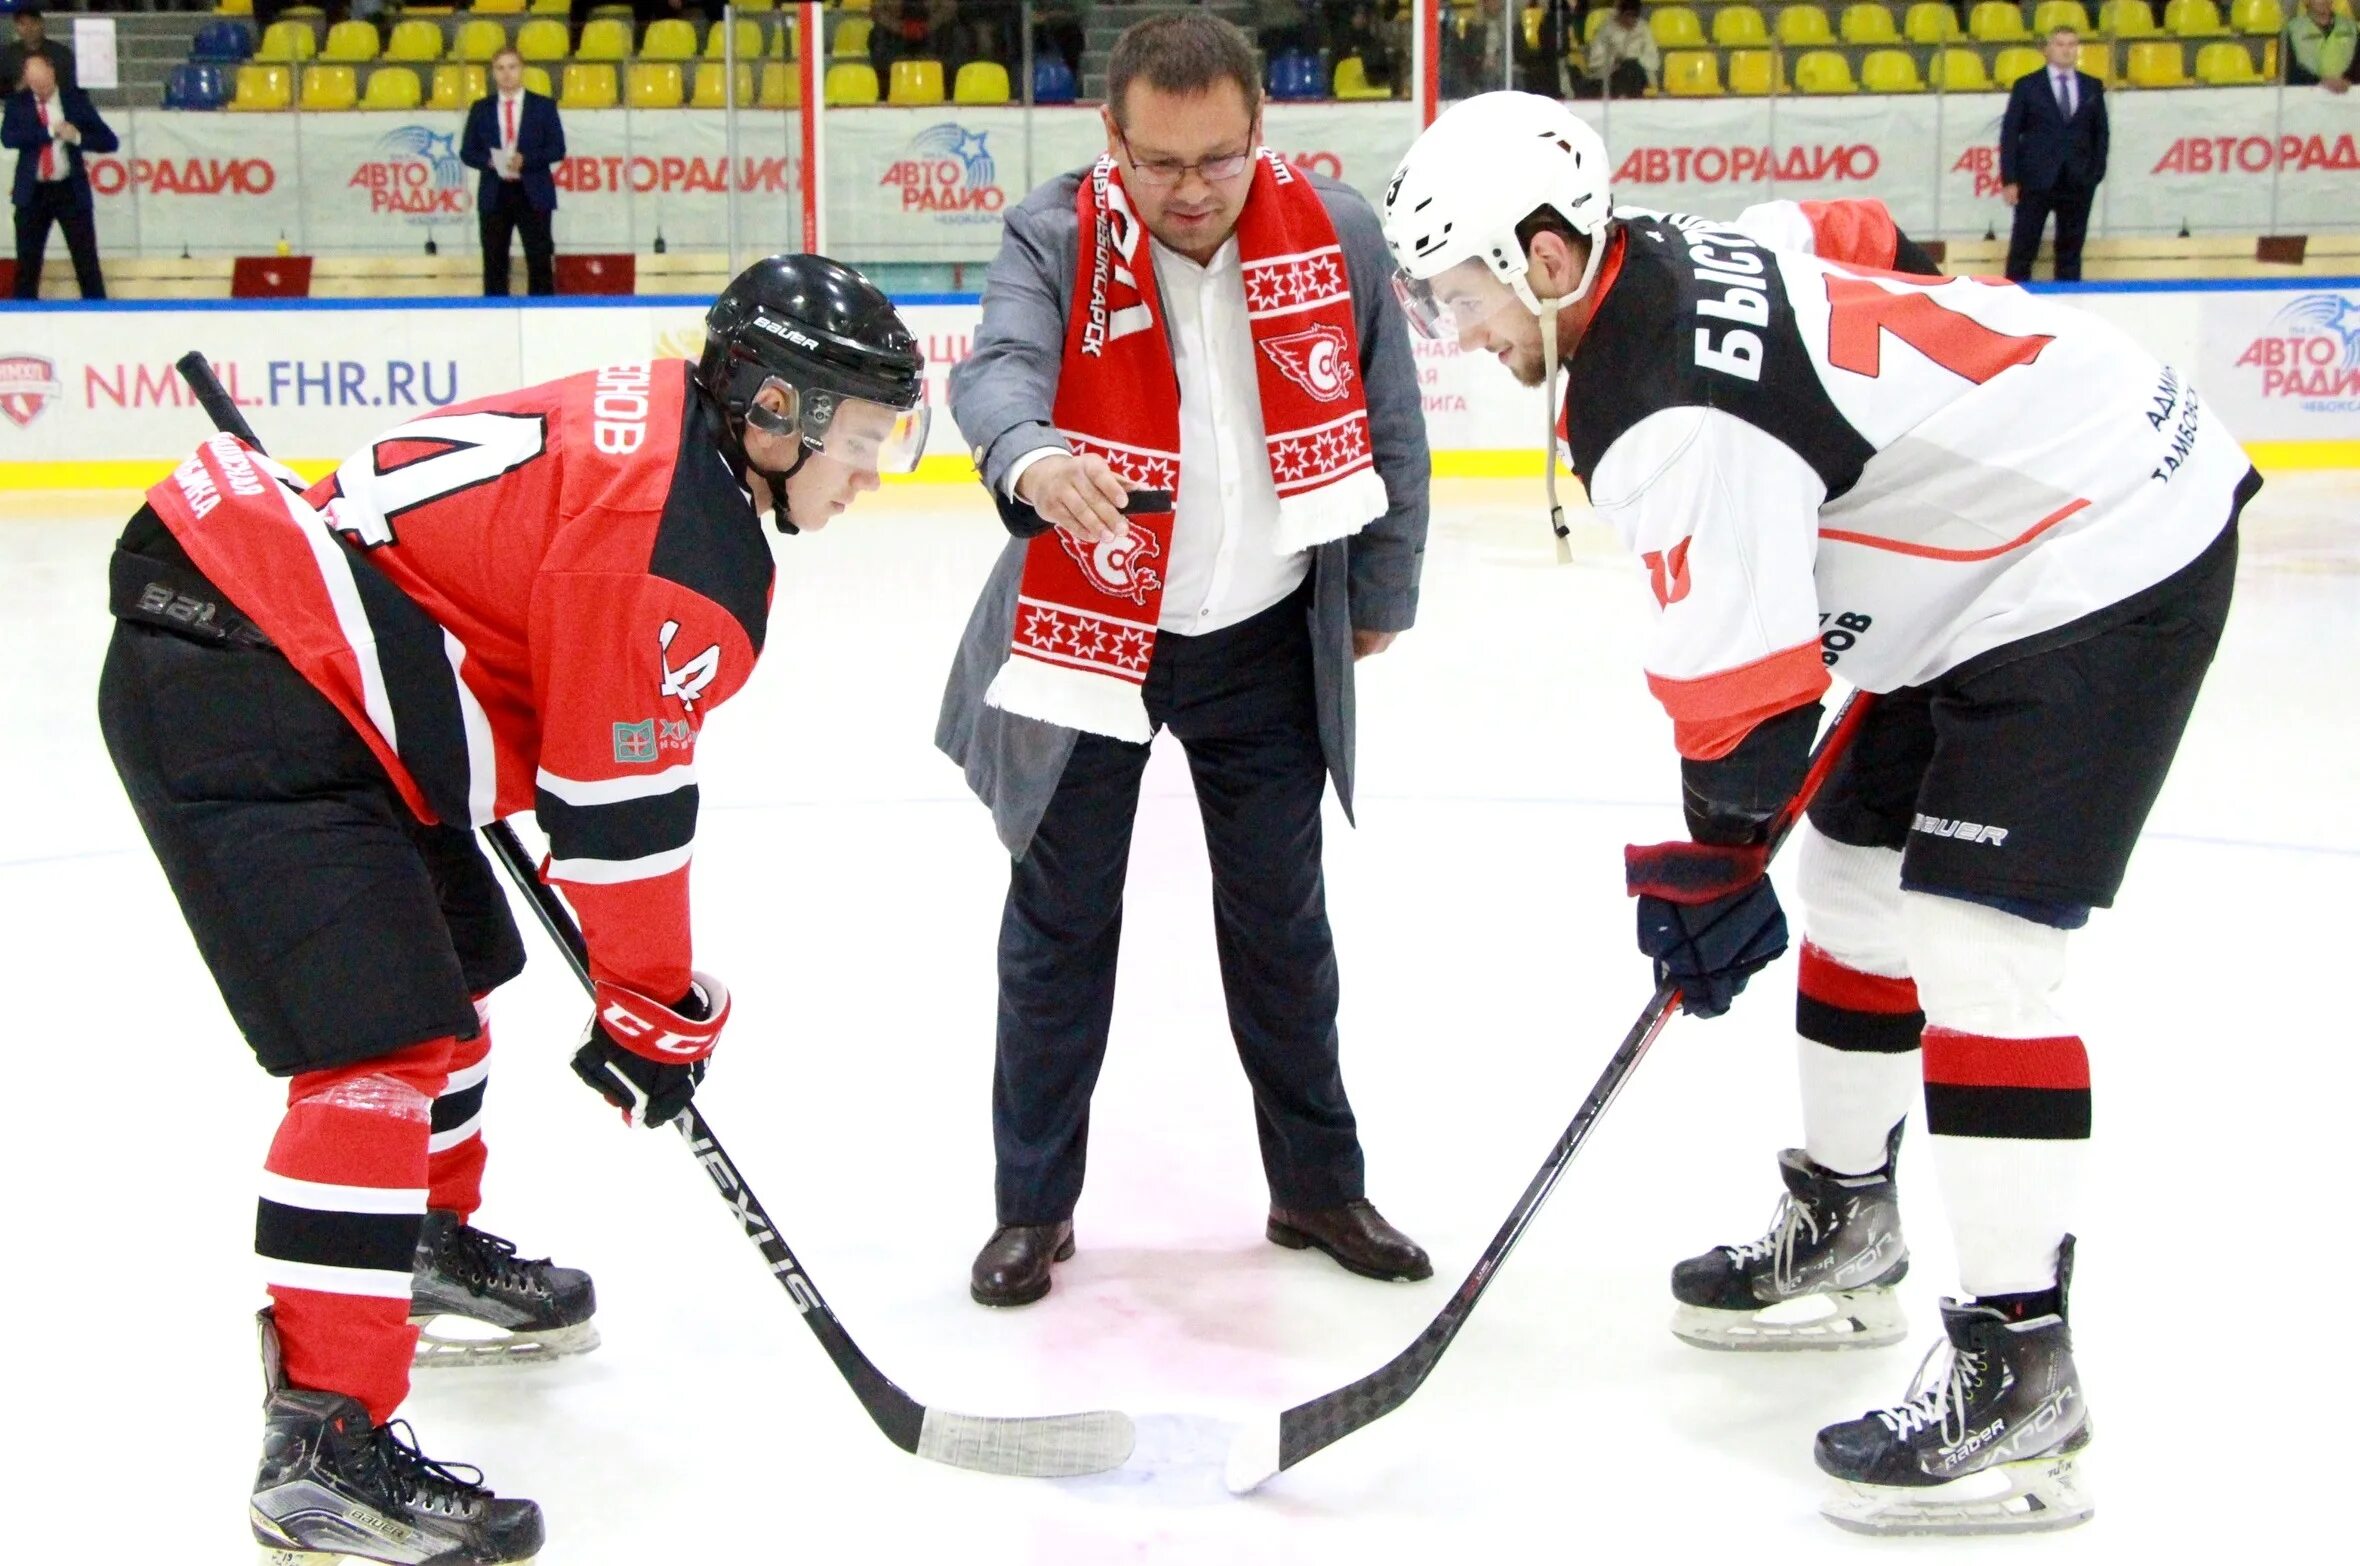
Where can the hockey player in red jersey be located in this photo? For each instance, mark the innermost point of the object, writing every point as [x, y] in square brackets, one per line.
[529, 602]
[2017, 529]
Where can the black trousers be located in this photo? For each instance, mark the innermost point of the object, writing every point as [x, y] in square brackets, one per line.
[510, 213]
[1240, 702]
[51, 204]
[2071, 203]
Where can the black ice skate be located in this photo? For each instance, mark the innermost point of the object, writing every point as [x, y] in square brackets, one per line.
[1989, 1443]
[1821, 1278]
[333, 1488]
[475, 1303]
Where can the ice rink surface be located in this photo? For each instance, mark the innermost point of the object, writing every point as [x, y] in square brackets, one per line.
[849, 890]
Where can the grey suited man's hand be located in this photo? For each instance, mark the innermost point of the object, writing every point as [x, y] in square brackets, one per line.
[1079, 494]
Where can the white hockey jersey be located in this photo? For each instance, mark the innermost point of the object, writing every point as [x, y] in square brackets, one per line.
[1829, 467]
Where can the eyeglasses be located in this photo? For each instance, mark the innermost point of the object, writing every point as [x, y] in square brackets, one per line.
[1164, 173]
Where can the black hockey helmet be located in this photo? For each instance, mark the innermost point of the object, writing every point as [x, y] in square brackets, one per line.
[826, 336]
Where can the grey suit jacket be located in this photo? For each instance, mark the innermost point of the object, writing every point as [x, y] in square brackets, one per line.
[1001, 396]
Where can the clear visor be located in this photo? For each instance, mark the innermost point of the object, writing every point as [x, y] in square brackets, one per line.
[872, 437]
[1441, 314]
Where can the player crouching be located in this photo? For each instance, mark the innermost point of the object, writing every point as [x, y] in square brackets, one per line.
[2019, 530]
[529, 602]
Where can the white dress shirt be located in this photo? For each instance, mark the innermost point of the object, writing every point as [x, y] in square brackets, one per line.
[52, 114]
[1224, 566]
[2065, 90]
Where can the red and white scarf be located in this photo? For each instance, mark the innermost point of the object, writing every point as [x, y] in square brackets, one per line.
[1086, 613]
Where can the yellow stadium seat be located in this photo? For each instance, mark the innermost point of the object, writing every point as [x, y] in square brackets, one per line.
[1529, 22]
[602, 39]
[2225, 64]
[477, 41]
[782, 86]
[1869, 24]
[712, 86]
[2127, 19]
[536, 79]
[1996, 21]
[1692, 73]
[1890, 70]
[1799, 25]
[2011, 63]
[670, 38]
[856, 5]
[2258, 18]
[457, 86]
[554, 7]
[1929, 22]
[2194, 19]
[587, 86]
[986, 82]
[543, 38]
[652, 84]
[756, 7]
[1676, 27]
[1823, 71]
[328, 89]
[1959, 70]
[264, 87]
[498, 7]
[851, 83]
[350, 43]
[2049, 15]
[915, 82]
[2097, 58]
[284, 43]
[852, 40]
[391, 87]
[1351, 85]
[1755, 73]
[786, 43]
[2155, 64]
[749, 41]
[1737, 26]
[417, 42]
[305, 13]
[1599, 16]
[234, 8]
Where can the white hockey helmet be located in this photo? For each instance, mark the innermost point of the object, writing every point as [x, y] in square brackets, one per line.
[1487, 164]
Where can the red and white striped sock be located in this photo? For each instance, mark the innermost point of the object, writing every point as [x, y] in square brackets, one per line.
[455, 1151]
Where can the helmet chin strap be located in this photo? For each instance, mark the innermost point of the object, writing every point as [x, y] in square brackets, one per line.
[773, 423]
[1548, 311]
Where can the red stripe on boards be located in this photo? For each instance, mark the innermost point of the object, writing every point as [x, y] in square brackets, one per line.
[1955, 1059]
[1829, 982]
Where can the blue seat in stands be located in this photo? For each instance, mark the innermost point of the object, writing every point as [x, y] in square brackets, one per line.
[222, 42]
[195, 87]
[1053, 80]
[1295, 74]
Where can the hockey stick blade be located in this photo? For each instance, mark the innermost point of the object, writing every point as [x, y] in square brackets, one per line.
[1268, 1444]
[1050, 1446]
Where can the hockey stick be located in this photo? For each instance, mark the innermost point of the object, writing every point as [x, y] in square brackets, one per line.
[1046, 1446]
[1268, 1445]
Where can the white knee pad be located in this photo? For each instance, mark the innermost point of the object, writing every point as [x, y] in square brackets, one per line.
[1852, 902]
[1982, 971]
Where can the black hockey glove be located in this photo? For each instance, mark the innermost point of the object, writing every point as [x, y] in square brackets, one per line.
[646, 1058]
[1708, 916]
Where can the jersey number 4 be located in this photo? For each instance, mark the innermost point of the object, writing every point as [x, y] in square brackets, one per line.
[1861, 312]
[429, 460]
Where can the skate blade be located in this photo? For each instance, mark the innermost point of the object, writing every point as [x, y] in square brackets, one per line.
[2036, 1495]
[272, 1555]
[1848, 1319]
[458, 1343]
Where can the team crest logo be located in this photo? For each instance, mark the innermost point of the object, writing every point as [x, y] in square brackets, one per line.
[27, 387]
[1318, 359]
[635, 743]
[1118, 567]
[687, 682]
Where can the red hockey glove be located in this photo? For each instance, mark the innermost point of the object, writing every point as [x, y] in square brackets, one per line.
[646, 1058]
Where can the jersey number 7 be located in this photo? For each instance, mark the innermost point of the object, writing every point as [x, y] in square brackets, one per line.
[1861, 312]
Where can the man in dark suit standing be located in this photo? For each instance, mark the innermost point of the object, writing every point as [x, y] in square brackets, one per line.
[2052, 153]
[516, 138]
[51, 128]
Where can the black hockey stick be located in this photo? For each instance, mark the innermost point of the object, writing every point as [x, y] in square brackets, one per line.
[1042, 1447]
[1269, 1444]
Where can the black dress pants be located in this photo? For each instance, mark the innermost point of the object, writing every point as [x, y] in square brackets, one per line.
[2071, 203]
[52, 204]
[1240, 701]
[510, 213]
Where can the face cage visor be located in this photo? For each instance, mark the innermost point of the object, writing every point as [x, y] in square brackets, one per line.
[869, 437]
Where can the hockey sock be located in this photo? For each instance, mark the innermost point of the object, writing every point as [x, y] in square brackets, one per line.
[2007, 1089]
[2026, 1307]
[455, 1151]
[343, 1194]
[1855, 1007]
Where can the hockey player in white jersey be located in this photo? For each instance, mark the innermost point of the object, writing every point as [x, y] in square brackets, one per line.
[2017, 529]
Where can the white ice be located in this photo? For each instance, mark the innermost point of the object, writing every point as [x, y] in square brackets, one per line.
[849, 890]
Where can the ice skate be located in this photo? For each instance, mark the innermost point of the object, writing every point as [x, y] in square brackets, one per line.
[1989, 1442]
[475, 1303]
[1821, 1278]
[333, 1488]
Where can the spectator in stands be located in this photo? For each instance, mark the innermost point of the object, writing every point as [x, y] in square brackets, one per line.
[2319, 46]
[1540, 54]
[2052, 154]
[1057, 29]
[1623, 57]
[32, 38]
[52, 127]
[516, 138]
[1359, 29]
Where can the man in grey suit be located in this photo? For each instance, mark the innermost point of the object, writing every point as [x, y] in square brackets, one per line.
[1251, 668]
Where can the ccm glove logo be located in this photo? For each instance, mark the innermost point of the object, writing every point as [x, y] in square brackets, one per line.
[659, 1032]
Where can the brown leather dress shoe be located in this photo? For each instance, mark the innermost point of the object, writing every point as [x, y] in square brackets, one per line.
[1013, 1266]
[1356, 1235]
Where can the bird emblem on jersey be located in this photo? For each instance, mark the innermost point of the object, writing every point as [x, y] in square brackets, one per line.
[1115, 566]
[2333, 314]
[1318, 359]
[687, 682]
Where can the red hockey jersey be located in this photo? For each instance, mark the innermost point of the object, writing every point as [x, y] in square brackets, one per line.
[527, 602]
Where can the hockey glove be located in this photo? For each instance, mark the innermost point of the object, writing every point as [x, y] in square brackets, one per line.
[1708, 916]
[645, 1058]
